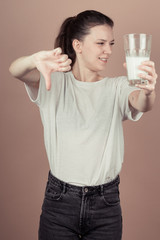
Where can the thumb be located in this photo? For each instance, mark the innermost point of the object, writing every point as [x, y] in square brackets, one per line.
[47, 78]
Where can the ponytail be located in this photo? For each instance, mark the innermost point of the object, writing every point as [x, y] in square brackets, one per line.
[64, 39]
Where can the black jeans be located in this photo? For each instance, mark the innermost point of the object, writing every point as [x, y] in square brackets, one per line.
[71, 212]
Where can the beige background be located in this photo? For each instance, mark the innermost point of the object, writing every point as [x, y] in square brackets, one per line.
[30, 26]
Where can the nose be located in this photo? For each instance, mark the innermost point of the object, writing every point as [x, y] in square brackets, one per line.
[108, 49]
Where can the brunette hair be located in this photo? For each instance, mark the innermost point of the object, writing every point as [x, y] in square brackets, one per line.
[78, 27]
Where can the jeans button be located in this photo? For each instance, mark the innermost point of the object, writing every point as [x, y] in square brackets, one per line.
[86, 190]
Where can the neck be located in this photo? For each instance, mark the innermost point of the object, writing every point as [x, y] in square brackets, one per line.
[85, 75]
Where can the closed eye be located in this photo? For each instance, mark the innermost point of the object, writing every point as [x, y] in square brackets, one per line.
[100, 43]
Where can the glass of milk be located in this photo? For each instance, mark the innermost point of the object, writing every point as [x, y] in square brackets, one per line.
[137, 50]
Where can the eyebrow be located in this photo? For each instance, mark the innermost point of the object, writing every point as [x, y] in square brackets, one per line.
[105, 40]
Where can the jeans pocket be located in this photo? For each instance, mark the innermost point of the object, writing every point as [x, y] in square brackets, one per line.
[111, 196]
[53, 192]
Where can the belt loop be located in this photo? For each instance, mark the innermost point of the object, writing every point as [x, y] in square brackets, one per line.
[64, 187]
[101, 190]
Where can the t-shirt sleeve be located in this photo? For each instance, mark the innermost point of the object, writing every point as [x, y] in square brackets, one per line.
[124, 92]
[37, 95]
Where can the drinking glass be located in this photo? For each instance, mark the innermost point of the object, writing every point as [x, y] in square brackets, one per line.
[137, 50]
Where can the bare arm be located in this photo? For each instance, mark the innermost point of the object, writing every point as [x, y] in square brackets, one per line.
[141, 101]
[24, 69]
[144, 99]
[27, 68]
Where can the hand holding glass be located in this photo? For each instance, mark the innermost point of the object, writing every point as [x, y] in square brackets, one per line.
[137, 50]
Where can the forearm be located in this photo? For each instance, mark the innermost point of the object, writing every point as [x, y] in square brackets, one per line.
[28, 68]
[141, 101]
[24, 69]
[22, 66]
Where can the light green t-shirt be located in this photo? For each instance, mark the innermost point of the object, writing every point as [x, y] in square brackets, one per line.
[83, 126]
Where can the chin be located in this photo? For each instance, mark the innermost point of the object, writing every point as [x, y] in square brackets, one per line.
[101, 67]
[98, 69]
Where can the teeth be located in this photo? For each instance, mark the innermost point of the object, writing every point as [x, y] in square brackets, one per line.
[104, 59]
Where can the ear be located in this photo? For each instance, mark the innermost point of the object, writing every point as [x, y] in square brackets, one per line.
[77, 46]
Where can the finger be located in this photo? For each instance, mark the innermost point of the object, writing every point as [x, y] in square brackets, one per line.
[147, 69]
[125, 65]
[149, 63]
[146, 77]
[66, 63]
[61, 58]
[156, 76]
[57, 51]
[146, 87]
[47, 78]
[64, 69]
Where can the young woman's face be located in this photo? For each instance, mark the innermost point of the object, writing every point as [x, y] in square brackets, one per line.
[96, 48]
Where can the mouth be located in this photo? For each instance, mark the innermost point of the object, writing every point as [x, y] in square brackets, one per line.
[103, 59]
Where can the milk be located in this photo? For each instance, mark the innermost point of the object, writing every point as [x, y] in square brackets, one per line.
[132, 68]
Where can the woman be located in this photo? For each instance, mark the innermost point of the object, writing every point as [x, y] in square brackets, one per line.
[82, 114]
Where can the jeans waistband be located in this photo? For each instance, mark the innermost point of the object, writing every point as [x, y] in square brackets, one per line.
[85, 189]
